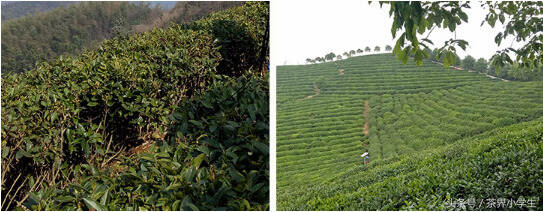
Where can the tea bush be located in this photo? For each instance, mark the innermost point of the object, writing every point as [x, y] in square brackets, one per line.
[413, 110]
[215, 157]
[243, 35]
[87, 111]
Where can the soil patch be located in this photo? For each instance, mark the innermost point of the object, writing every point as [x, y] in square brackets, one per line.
[316, 90]
[366, 128]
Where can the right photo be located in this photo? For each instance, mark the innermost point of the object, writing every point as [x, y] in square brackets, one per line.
[409, 105]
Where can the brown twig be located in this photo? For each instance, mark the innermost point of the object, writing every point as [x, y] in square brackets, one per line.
[29, 191]
[15, 194]
[12, 185]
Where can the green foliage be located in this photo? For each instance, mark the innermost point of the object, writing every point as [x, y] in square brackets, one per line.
[216, 157]
[468, 62]
[65, 31]
[505, 163]
[481, 65]
[84, 109]
[72, 116]
[193, 10]
[12, 10]
[388, 48]
[242, 33]
[516, 72]
[420, 118]
[522, 21]
[330, 56]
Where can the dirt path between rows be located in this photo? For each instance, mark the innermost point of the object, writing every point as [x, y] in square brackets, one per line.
[316, 90]
[366, 128]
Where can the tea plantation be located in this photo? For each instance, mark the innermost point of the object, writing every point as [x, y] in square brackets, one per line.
[436, 136]
[171, 119]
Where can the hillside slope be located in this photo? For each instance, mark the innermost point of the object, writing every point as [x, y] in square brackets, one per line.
[144, 122]
[11, 10]
[412, 109]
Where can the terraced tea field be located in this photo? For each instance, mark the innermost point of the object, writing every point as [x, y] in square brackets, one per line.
[423, 120]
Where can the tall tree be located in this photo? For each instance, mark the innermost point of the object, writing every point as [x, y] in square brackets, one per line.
[367, 49]
[468, 62]
[359, 51]
[377, 49]
[481, 65]
[330, 56]
[319, 59]
[352, 52]
[388, 48]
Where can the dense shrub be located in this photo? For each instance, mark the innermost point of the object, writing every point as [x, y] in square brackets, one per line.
[504, 164]
[215, 157]
[242, 33]
[79, 109]
[84, 111]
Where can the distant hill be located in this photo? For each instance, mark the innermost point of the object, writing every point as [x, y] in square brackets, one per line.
[18, 9]
[165, 5]
[67, 30]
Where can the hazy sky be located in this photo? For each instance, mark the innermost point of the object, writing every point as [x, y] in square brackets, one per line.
[307, 29]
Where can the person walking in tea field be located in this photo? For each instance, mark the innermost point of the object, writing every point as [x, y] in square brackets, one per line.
[366, 158]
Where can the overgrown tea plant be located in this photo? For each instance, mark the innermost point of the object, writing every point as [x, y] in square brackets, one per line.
[84, 114]
[413, 110]
[214, 157]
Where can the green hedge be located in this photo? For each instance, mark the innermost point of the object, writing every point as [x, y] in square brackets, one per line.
[86, 109]
[242, 33]
[216, 158]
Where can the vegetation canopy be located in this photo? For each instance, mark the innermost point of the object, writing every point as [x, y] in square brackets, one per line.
[522, 21]
[162, 120]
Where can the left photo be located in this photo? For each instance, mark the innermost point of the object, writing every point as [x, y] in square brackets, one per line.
[135, 105]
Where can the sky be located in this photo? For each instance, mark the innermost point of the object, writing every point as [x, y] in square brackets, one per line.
[307, 29]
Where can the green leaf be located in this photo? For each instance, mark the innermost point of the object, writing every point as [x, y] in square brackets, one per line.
[85, 147]
[187, 204]
[94, 205]
[463, 16]
[246, 204]
[236, 176]
[197, 123]
[54, 116]
[5, 152]
[197, 161]
[92, 104]
[418, 57]
[103, 200]
[174, 186]
[175, 205]
[22, 153]
[264, 148]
